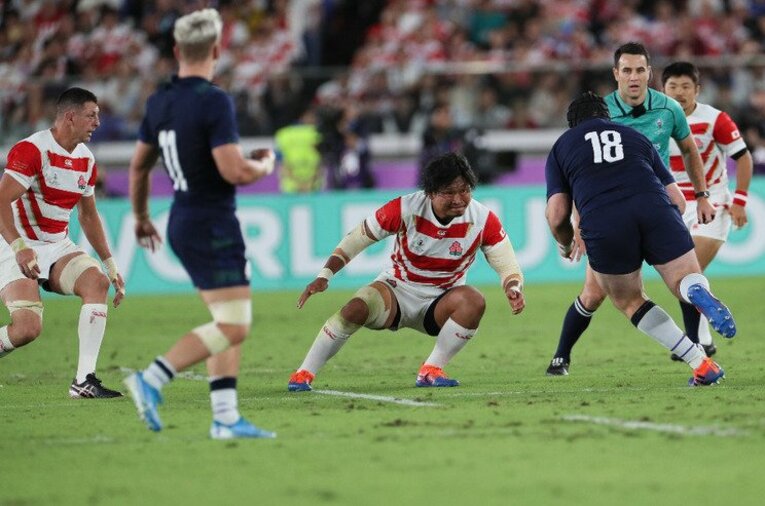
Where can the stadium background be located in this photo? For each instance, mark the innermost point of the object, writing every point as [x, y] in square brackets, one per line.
[505, 70]
[622, 429]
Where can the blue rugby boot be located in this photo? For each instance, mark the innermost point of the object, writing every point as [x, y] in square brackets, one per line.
[146, 399]
[717, 313]
[432, 376]
[240, 430]
[708, 373]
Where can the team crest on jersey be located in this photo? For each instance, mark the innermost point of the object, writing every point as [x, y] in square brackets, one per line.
[455, 249]
[81, 183]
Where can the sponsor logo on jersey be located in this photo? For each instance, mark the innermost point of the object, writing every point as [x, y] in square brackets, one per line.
[659, 124]
[455, 249]
[81, 183]
[68, 162]
[441, 232]
[391, 282]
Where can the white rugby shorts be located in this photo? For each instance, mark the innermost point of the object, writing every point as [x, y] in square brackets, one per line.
[48, 253]
[719, 228]
[412, 303]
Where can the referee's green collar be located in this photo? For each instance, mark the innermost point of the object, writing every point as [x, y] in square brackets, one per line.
[626, 109]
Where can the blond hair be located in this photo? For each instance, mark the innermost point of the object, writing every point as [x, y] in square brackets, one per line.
[196, 33]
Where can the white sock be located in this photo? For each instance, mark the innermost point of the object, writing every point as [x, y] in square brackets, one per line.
[332, 336]
[705, 337]
[691, 279]
[223, 399]
[452, 338]
[660, 326]
[91, 333]
[159, 373]
[6, 346]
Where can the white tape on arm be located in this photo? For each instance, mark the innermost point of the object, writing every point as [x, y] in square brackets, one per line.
[111, 268]
[501, 258]
[355, 242]
[18, 245]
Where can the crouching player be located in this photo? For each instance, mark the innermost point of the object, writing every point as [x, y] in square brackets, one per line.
[438, 233]
[47, 175]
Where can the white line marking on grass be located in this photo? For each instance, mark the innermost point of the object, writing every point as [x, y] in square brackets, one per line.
[671, 428]
[189, 375]
[381, 398]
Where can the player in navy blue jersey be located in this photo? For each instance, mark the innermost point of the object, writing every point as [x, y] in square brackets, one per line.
[191, 123]
[629, 212]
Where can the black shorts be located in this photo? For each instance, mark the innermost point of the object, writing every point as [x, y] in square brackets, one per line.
[647, 226]
[210, 247]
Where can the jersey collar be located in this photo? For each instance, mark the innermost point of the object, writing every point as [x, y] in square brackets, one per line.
[626, 109]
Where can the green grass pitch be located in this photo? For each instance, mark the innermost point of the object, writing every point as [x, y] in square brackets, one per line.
[508, 435]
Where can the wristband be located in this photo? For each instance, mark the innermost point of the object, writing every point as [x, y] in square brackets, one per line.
[740, 198]
[111, 268]
[18, 245]
[566, 250]
[325, 273]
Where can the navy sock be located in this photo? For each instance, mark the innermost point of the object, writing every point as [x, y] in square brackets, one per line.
[575, 323]
[691, 319]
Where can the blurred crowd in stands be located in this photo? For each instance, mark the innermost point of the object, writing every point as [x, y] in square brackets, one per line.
[440, 69]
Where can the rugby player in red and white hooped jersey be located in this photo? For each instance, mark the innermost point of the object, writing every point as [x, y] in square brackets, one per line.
[438, 231]
[717, 138]
[46, 176]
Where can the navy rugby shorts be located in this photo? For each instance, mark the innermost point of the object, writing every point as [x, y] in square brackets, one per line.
[210, 246]
[620, 235]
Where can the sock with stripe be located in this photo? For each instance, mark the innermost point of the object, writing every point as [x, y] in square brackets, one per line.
[223, 399]
[577, 320]
[90, 331]
[655, 322]
[332, 336]
[159, 373]
[450, 340]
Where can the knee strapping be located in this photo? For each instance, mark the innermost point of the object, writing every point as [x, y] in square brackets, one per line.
[230, 312]
[338, 327]
[30, 305]
[378, 313]
[73, 270]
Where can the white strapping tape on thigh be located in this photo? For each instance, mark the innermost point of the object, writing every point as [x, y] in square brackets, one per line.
[212, 337]
[378, 314]
[74, 270]
[31, 305]
[232, 312]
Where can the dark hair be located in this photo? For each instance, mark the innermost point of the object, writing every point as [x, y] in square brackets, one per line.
[585, 106]
[441, 171]
[74, 97]
[679, 69]
[631, 48]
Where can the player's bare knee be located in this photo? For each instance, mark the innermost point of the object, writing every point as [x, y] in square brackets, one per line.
[26, 320]
[355, 311]
[93, 285]
[592, 299]
[468, 300]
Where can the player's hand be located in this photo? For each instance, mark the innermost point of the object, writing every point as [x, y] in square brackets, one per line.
[580, 249]
[738, 215]
[266, 159]
[315, 286]
[147, 235]
[705, 211]
[119, 289]
[515, 297]
[27, 261]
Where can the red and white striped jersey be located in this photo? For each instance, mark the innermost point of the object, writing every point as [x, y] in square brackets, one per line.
[717, 137]
[55, 179]
[426, 253]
